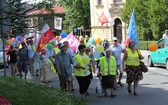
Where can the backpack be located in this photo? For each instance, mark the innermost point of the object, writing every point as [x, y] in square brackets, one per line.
[23, 54]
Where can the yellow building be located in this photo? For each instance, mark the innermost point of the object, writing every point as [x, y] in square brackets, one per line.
[107, 31]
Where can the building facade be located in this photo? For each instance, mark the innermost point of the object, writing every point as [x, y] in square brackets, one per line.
[107, 31]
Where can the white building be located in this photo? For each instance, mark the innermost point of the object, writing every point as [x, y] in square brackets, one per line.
[107, 31]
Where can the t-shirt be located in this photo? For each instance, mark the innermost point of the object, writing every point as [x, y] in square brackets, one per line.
[23, 54]
[116, 52]
[13, 56]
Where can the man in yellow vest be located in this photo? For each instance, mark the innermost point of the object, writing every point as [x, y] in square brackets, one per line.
[107, 70]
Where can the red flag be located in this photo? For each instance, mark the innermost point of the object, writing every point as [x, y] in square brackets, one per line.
[105, 16]
[103, 19]
[45, 37]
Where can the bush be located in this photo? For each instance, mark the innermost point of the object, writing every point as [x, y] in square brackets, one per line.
[24, 92]
[144, 45]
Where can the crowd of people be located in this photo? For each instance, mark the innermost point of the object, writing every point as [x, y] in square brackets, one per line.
[107, 64]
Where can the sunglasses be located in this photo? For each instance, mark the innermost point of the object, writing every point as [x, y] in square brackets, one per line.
[87, 50]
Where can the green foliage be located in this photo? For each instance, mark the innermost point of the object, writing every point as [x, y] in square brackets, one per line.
[144, 45]
[15, 14]
[77, 13]
[23, 92]
[151, 17]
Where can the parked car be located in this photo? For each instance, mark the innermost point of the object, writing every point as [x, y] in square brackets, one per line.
[2, 60]
[160, 56]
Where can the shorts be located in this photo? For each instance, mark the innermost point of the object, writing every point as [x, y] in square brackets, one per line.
[23, 65]
[65, 78]
[120, 68]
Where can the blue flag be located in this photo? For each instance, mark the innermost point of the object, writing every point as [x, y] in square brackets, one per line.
[132, 34]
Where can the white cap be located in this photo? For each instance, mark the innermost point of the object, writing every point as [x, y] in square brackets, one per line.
[114, 38]
[62, 45]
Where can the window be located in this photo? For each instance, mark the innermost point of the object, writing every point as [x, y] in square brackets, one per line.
[99, 2]
[161, 43]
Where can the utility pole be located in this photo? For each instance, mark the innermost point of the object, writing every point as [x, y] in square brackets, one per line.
[3, 40]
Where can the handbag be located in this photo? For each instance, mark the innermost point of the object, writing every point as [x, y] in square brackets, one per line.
[144, 68]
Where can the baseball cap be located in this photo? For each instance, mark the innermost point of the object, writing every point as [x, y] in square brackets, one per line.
[61, 45]
[114, 38]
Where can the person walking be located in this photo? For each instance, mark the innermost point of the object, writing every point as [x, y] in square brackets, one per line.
[23, 60]
[12, 54]
[131, 62]
[46, 73]
[63, 63]
[116, 51]
[70, 51]
[32, 54]
[165, 35]
[108, 72]
[82, 71]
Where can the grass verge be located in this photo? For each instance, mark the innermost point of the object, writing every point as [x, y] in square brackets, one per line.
[24, 92]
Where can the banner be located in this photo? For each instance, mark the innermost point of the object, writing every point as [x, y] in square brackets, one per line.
[58, 23]
[73, 42]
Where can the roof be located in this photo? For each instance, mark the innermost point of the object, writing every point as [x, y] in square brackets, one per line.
[57, 10]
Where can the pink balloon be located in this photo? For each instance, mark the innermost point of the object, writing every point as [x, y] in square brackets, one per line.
[55, 45]
[22, 40]
[128, 40]
[14, 39]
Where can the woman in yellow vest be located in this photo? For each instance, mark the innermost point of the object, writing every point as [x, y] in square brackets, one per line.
[131, 62]
[108, 72]
[81, 71]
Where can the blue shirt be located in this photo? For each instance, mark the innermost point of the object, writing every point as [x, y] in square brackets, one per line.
[116, 52]
[64, 62]
[69, 50]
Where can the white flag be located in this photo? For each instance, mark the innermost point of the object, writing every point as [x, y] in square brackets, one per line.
[58, 23]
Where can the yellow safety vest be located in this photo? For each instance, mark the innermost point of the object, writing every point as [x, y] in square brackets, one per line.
[56, 50]
[52, 66]
[132, 58]
[79, 71]
[106, 69]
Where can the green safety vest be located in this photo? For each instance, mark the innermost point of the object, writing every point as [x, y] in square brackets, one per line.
[56, 50]
[106, 69]
[79, 71]
[52, 66]
[132, 58]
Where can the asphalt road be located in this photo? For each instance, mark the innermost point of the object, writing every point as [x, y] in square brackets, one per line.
[153, 89]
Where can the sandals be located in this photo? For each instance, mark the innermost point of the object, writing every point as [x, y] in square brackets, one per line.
[129, 91]
[113, 95]
[120, 84]
[87, 94]
[135, 94]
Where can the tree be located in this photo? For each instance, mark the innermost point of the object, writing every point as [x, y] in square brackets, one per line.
[151, 17]
[77, 13]
[14, 14]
